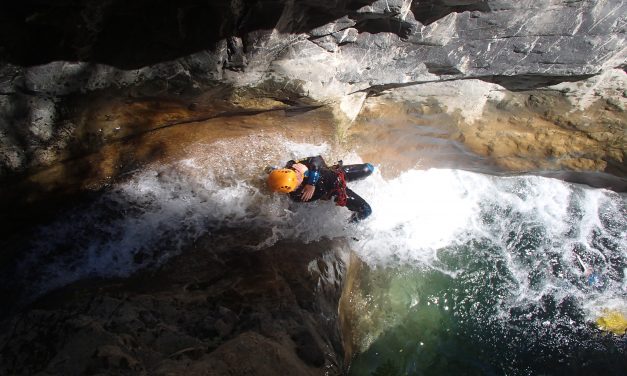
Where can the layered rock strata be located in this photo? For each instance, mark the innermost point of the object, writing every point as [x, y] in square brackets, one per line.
[338, 52]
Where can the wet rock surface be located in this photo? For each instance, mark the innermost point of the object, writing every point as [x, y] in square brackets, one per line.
[118, 132]
[94, 90]
[415, 39]
[545, 133]
[536, 132]
[236, 312]
[337, 52]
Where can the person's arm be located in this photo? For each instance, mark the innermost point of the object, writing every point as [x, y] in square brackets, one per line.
[313, 164]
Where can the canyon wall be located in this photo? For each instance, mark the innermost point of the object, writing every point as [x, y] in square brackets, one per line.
[337, 52]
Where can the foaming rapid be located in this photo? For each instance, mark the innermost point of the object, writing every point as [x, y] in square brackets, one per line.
[158, 212]
[416, 214]
[490, 274]
[137, 224]
[519, 266]
[547, 232]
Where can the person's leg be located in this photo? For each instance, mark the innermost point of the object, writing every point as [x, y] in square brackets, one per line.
[357, 205]
[358, 171]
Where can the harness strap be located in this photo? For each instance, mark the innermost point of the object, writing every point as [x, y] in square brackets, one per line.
[340, 187]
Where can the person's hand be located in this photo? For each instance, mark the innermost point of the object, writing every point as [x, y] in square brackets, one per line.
[308, 191]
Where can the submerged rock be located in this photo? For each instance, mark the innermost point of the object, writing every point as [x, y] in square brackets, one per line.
[612, 321]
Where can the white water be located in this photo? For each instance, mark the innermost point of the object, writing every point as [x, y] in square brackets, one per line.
[158, 212]
[538, 226]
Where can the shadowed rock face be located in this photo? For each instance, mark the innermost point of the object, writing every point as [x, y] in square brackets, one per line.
[234, 312]
[336, 51]
[330, 49]
[441, 54]
[384, 41]
[430, 11]
[133, 35]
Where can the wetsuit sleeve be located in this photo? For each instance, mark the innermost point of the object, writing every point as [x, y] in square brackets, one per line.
[314, 165]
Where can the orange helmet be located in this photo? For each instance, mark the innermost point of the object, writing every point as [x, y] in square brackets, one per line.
[283, 180]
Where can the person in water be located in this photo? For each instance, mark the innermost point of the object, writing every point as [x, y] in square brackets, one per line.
[310, 179]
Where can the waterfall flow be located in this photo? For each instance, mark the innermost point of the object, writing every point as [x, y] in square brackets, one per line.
[465, 270]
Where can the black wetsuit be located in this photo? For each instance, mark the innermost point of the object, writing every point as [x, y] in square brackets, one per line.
[326, 181]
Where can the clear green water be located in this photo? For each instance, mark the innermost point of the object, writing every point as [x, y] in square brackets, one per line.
[454, 326]
[469, 273]
[507, 296]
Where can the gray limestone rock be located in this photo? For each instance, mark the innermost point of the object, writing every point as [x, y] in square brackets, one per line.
[236, 312]
[398, 41]
[330, 48]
